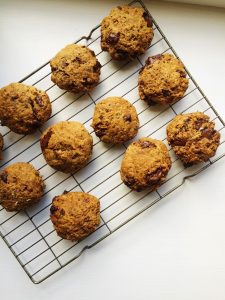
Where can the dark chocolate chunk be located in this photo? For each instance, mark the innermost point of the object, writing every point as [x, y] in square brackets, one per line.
[178, 142]
[38, 100]
[155, 176]
[198, 123]
[97, 67]
[146, 144]
[130, 181]
[45, 140]
[148, 19]
[152, 59]
[182, 73]
[127, 118]
[166, 93]
[112, 38]
[4, 176]
[121, 54]
[53, 209]
[208, 133]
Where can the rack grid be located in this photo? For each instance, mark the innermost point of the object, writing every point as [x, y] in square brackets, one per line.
[30, 235]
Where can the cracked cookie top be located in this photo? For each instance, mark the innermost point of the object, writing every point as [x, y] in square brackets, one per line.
[193, 137]
[23, 108]
[66, 146]
[75, 68]
[126, 32]
[115, 120]
[145, 164]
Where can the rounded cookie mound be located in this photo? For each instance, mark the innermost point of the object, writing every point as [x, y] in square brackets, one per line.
[126, 32]
[193, 137]
[1, 145]
[67, 146]
[20, 186]
[115, 120]
[145, 164]
[23, 108]
[75, 215]
[162, 80]
[75, 68]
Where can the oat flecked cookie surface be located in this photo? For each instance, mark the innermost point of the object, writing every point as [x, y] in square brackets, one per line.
[145, 164]
[75, 215]
[126, 32]
[75, 68]
[193, 137]
[20, 186]
[23, 108]
[66, 146]
[115, 120]
[1, 145]
[162, 80]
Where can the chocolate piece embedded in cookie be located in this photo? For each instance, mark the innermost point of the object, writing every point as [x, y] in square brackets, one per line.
[126, 32]
[75, 68]
[145, 164]
[162, 80]
[193, 137]
[75, 215]
[115, 120]
[66, 146]
[23, 108]
[20, 186]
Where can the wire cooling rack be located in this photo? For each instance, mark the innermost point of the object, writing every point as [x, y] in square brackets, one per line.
[30, 235]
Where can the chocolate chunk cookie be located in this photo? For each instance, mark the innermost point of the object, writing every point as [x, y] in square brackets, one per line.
[67, 146]
[23, 108]
[126, 32]
[145, 164]
[162, 80]
[115, 120]
[1, 145]
[20, 186]
[193, 137]
[75, 68]
[75, 215]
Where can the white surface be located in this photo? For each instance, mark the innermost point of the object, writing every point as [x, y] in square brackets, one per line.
[217, 3]
[176, 249]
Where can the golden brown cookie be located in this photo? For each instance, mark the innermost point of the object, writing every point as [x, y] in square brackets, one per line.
[75, 68]
[75, 215]
[23, 108]
[193, 137]
[66, 146]
[162, 80]
[1, 145]
[20, 186]
[115, 120]
[145, 164]
[126, 32]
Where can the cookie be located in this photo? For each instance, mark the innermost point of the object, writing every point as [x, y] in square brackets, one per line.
[115, 120]
[162, 80]
[20, 186]
[126, 32]
[75, 68]
[145, 164]
[75, 215]
[193, 137]
[1, 145]
[23, 108]
[66, 146]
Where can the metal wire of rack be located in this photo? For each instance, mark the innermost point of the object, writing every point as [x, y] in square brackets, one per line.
[30, 235]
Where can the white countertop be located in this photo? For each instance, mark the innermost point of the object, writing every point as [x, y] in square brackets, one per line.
[175, 250]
